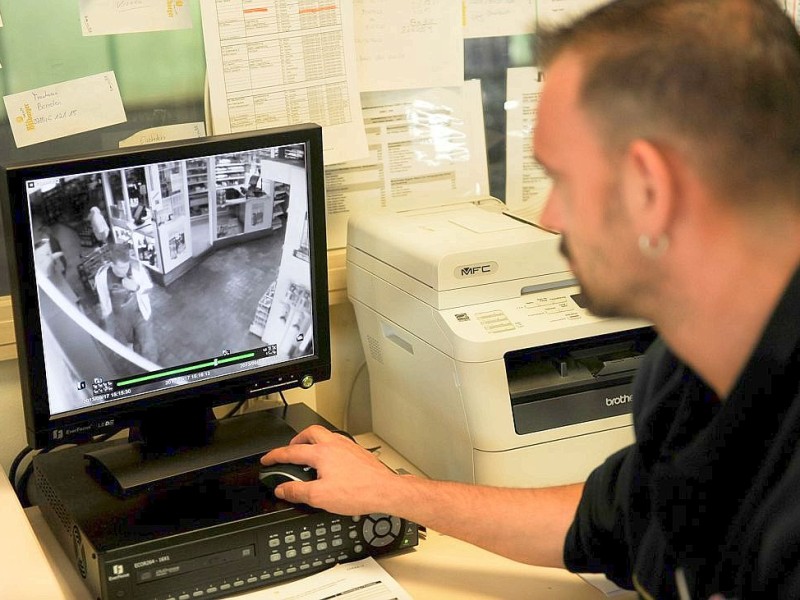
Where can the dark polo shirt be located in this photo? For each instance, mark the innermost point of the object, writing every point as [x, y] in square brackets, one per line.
[710, 491]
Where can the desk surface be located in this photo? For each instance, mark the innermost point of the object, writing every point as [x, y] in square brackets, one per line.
[33, 566]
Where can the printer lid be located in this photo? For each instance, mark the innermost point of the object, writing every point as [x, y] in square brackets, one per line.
[458, 245]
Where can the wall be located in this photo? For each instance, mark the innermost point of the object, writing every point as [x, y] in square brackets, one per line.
[12, 424]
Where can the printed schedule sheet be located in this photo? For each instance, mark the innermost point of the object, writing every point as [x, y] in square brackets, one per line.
[273, 63]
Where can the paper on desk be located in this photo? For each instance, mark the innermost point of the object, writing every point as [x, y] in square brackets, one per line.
[284, 63]
[487, 18]
[165, 133]
[104, 17]
[609, 588]
[394, 39]
[527, 183]
[427, 148]
[65, 108]
[361, 580]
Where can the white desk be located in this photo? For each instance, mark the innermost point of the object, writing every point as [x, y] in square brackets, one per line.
[25, 571]
[34, 567]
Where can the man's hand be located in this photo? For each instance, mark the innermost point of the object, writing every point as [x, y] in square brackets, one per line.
[350, 480]
[528, 525]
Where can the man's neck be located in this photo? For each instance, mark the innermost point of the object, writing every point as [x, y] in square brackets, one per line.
[718, 315]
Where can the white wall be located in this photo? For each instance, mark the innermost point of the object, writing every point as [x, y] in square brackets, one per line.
[12, 423]
[346, 390]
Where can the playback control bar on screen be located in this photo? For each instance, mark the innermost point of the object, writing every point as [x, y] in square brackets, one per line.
[194, 371]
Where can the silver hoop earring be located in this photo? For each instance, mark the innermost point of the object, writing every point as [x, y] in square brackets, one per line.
[651, 250]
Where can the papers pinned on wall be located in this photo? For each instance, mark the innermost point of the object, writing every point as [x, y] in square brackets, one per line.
[491, 18]
[66, 108]
[410, 44]
[527, 183]
[427, 148]
[165, 133]
[285, 63]
[556, 12]
[105, 17]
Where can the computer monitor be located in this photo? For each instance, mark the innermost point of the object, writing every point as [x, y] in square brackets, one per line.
[149, 286]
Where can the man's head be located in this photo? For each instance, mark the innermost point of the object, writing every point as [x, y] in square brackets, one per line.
[644, 99]
[716, 79]
[120, 259]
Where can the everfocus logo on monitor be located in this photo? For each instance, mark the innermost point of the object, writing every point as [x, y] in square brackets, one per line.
[477, 269]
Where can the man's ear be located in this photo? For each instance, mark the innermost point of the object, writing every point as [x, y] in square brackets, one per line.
[650, 187]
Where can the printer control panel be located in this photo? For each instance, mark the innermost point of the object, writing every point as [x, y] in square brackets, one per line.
[542, 311]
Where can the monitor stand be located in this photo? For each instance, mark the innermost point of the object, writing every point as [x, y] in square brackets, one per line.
[174, 445]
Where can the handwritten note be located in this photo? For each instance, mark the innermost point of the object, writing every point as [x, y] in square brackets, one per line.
[63, 109]
[166, 133]
[104, 17]
[396, 43]
[487, 18]
[555, 12]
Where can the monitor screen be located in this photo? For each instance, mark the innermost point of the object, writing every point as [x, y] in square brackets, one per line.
[181, 275]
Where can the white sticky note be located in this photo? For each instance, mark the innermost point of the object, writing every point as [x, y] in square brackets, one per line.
[104, 17]
[66, 108]
[165, 133]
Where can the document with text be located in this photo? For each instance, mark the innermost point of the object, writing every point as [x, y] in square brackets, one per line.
[65, 108]
[527, 183]
[105, 17]
[488, 18]
[361, 580]
[426, 148]
[396, 40]
[284, 62]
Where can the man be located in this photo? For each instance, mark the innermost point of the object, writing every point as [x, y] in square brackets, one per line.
[99, 226]
[123, 287]
[671, 130]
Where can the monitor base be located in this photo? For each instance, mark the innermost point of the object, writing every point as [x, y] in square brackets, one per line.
[125, 467]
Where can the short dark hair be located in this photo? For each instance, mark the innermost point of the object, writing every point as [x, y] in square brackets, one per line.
[119, 253]
[719, 80]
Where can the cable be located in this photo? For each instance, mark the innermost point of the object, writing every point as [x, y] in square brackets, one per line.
[234, 410]
[285, 403]
[349, 400]
[21, 486]
[12, 471]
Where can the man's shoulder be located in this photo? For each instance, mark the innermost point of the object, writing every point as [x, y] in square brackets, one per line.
[657, 388]
[658, 367]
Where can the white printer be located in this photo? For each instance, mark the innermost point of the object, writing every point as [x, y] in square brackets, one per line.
[483, 366]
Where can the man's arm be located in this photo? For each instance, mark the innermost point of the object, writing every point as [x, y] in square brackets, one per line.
[527, 525]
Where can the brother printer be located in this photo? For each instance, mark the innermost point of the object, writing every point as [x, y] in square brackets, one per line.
[483, 364]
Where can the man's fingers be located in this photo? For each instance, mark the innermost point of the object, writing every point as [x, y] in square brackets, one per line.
[293, 491]
[312, 435]
[299, 454]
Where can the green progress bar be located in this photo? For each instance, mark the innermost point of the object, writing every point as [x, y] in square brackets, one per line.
[162, 374]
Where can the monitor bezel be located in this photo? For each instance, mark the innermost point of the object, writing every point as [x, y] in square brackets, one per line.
[44, 429]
